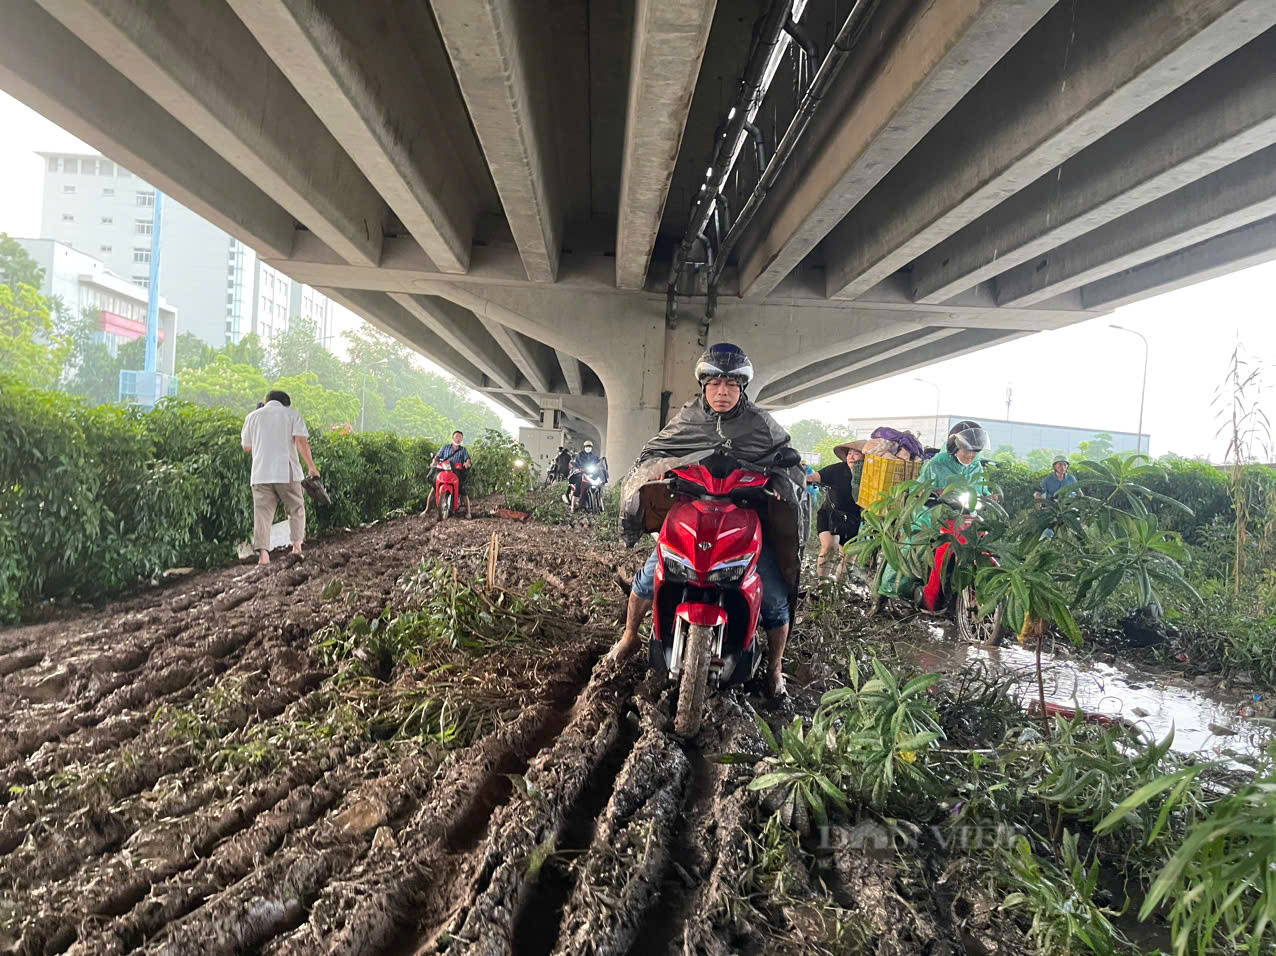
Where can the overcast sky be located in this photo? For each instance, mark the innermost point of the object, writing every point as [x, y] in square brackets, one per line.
[1087, 375]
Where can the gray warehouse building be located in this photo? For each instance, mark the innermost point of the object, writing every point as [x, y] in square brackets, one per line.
[1023, 437]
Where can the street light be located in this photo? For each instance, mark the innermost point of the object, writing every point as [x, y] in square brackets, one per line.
[1138, 440]
[936, 388]
[363, 399]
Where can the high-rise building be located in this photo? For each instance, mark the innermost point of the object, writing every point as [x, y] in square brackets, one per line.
[81, 282]
[220, 287]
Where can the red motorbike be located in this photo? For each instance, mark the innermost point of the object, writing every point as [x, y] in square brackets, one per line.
[938, 595]
[707, 591]
[446, 492]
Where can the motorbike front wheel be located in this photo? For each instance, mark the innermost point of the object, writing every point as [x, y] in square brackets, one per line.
[445, 505]
[694, 685]
[973, 628]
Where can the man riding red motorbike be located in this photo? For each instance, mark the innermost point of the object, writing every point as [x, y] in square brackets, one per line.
[719, 457]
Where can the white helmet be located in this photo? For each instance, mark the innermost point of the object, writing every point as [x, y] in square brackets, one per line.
[589, 445]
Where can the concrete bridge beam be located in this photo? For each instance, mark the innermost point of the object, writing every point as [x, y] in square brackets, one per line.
[460, 329]
[1081, 72]
[1239, 249]
[669, 43]
[503, 59]
[934, 54]
[1224, 114]
[201, 64]
[50, 69]
[365, 69]
[1235, 196]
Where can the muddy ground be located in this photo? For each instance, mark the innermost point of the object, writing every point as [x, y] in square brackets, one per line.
[181, 773]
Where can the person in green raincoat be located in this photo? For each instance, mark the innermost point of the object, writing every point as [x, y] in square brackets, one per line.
[959, 461]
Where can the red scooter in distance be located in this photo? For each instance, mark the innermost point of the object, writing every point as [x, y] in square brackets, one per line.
[708, 594]
[938, 596]
[446, 492]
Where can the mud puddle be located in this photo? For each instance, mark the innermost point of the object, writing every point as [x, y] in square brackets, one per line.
[1204, 723]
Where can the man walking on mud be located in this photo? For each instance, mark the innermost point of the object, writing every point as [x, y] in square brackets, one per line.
[722, 416]
[274, 433]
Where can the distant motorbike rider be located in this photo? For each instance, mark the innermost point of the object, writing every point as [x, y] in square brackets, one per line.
[1053, 484]
[561, 467]
[721, 418]
[458, 456]
[584, 463]
[959, 461]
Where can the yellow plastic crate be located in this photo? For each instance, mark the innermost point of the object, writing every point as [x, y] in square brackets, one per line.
[883, 474]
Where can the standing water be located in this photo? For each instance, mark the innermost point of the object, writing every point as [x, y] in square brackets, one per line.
[1204, 723]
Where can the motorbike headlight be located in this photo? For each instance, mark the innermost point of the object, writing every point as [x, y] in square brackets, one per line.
[728, 572]
[677, 568]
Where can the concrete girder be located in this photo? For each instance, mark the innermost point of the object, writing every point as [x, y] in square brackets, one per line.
[1239, 249]
[1024, 119]
[1222, 115]
[1235, 196]
[955, 346]
[571, 372]
[502, 64]
[49, 68]
[669, 44]
[832, 368]
[390, 317]
[366, 69]
[877, 112]
[201, 64]
[404, 268]
[527, 354]
[460, 329]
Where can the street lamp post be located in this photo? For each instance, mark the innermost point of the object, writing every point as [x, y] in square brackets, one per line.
[363, 399]
[937, 394]
[1138, 440]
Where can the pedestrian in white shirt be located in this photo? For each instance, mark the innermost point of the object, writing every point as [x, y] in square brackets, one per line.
[274, 433]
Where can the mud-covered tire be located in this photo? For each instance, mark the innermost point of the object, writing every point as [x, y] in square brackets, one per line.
[970, 626]
[445, 505]
[695, 681]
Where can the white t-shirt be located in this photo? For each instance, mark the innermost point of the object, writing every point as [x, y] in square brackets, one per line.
[270, 432]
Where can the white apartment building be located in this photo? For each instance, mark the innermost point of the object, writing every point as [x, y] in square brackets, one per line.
[82, 282]
[220, 287]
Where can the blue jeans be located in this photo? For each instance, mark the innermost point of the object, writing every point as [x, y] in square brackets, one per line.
[775, 596]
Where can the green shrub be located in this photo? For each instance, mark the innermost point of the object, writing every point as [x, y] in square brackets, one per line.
[92, 499]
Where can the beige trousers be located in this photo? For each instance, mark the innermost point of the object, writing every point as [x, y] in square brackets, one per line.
[265, 498]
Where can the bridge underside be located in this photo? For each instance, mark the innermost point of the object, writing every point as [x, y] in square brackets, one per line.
[504, 184]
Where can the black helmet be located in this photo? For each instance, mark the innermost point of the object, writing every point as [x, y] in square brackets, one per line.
[724, 361]
[967, 436]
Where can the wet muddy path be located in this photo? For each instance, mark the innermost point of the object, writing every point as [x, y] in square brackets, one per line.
[186, 772]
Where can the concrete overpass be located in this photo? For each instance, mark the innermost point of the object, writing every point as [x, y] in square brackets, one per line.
[560, 199]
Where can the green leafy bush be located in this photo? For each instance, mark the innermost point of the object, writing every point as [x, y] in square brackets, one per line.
[92, 499]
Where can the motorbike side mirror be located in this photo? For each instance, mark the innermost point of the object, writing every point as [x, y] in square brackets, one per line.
[788, 457]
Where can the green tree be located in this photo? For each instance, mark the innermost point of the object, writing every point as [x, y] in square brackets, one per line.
[322, 407]
[297, 351]
[225, 384]
[806, 434]
[247, 351]
[193, 352]
[1097, 448]
[1040, 459]
[412, 418]
[30, 349]
[16, 266]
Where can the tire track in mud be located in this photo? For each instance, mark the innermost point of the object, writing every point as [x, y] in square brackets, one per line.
[48, 841]
[206, 895]
[267, 867]
[614, 882]
[424, 874]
